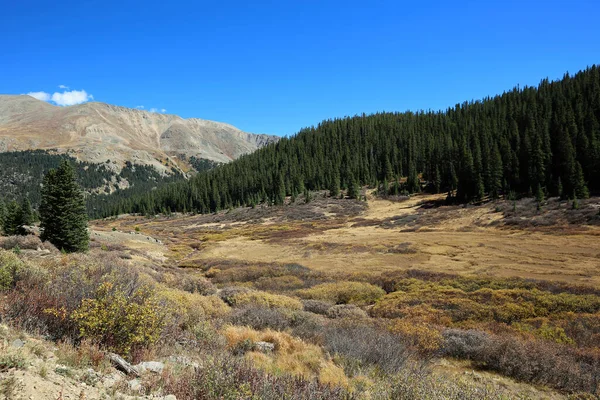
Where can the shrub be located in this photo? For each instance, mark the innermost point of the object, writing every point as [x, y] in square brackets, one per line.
[347, 292]
[187, 309]
[10, 264]
[534, 361]
[279, 283]
[266, 299]
[12, 361]
[228, 294]
[227, 377]
[317, 306]
[29, 242]
[120, 322]
[349, 311]
[423, 337]
[260, 317]
[367, 345]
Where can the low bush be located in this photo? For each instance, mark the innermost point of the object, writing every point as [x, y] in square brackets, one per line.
[317, 306]
[27, 242]
[534, 361]
[228, 293]
[346, 292]
[266, 299]
[228, 377]
[279, 283]
[120, 322]
[187, 309]
[261, 317]
[349, 311]
[483, 304]
[366, 344]
[10, 265]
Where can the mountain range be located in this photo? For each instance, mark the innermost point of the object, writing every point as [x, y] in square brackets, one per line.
[97, 132]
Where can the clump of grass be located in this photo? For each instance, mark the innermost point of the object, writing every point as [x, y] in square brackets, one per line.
[12, 361]
[291, 355]
[345, 292]
[10, 387]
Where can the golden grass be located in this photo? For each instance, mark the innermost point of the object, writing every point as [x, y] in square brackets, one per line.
[291, 355]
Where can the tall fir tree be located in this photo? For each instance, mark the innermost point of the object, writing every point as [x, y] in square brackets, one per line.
[2, 215]
[334, 186]
[63, 217]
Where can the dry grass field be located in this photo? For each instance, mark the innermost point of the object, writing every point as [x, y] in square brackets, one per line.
[384, 235]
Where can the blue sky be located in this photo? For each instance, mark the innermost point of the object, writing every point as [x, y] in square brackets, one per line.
[277, 66]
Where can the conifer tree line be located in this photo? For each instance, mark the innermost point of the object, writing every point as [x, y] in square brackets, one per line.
[542, 141]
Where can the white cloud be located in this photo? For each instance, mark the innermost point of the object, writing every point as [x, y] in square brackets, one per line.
[163, 110]
[157, 110]
[139, 107]
[63, 87]
[40, 95]
[71, 98]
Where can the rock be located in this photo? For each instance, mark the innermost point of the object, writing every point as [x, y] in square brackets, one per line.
[152, 366]
[264, 347]
[110, 380]
[170, 397]
[17, 343]
[134, 385]
[184, 361]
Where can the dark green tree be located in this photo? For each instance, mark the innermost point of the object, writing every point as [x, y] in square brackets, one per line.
[334, 185]
[353, 188]
[2, 215]
[63, 217]
[12, 219]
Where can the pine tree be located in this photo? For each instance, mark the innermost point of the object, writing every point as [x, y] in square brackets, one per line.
[11, 219]
[2, 215]
[25, 215]
[353, 189]
[579, 186]
[334, 186]
[279, 195]
[63, 218]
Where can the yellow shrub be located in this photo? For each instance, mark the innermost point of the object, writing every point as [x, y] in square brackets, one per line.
[118, 322]
[192, 308]
[421, 336]
[346, 292]
[9, 266]
[267, 299]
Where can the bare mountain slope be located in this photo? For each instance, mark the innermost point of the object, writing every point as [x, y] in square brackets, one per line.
[95, 132]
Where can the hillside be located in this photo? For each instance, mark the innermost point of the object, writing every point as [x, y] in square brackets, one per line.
[96, 132]
[534, 141]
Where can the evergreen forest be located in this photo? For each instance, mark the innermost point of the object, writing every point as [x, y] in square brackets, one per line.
[532, 141]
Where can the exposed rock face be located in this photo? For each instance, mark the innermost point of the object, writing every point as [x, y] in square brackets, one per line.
[96, 132]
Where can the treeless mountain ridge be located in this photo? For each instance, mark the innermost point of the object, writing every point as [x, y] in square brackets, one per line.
[97, 132]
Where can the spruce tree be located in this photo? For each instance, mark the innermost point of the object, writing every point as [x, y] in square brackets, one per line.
[2, 215]
[63, 218]
[334, 186]
[353, 188]
[25, 216]
[12, 217]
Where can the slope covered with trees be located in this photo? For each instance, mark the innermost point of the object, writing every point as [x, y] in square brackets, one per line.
[542, 141]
